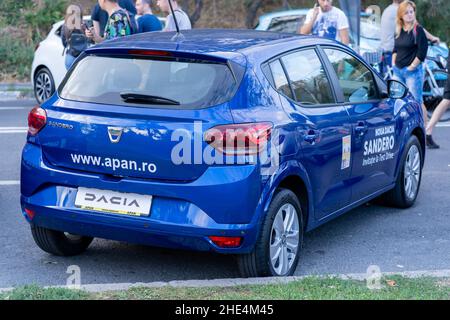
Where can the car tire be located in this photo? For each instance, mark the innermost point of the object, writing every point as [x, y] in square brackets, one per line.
[44, 85]
[407, 186]
[274, 242]
[60, 243]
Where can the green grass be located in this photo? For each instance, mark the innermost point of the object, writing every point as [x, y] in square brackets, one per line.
[34, 292]
[394, 288]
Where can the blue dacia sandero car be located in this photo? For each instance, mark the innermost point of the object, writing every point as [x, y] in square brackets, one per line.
[231, 141]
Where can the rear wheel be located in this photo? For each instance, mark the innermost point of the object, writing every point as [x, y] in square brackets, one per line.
[44, 85]
[60, 243]
[407, 187]
[277, 250]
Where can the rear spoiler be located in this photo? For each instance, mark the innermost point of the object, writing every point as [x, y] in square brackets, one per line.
[236, 67]
[163, 53]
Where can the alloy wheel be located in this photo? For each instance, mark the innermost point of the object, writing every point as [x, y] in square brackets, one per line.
[284, 239]
[43, 86]
[412, 172]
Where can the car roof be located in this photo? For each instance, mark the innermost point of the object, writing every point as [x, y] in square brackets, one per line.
[225, 43]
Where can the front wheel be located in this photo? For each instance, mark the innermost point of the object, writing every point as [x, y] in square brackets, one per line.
[59, 243]
[407, 186]
[277, 250]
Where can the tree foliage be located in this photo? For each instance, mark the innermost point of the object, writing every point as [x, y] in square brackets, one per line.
[23, 23]
[34, 17]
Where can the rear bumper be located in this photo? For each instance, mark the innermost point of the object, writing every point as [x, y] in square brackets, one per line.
[224, 201]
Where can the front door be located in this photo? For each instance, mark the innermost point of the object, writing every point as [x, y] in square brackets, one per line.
[324, 129]
[374, 129]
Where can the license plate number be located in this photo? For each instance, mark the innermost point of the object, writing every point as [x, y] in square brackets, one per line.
[113, 202]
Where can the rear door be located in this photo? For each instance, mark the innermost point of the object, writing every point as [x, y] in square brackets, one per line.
[137, 117]
[375, 131]
[323, 126]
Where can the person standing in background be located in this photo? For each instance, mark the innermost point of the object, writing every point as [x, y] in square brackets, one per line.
[118, 25]
[100, 17]
[73, 37]
[184, 23]
[325, 20]
[388, 26]
[410, 50]
[148, 22]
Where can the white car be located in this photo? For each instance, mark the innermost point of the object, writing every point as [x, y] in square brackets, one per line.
[48, 69]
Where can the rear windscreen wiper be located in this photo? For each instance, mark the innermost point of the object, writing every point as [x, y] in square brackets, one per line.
[144, 98]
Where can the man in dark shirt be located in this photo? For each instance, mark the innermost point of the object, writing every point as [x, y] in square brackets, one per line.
[148, 22]
[100, 17]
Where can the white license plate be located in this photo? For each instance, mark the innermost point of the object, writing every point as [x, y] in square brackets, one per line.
[113, 202]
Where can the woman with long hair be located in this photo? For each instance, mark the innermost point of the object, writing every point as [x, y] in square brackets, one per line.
[72, 34]
[410, 51]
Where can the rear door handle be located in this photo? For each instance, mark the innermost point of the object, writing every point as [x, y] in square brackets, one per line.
[311, 136]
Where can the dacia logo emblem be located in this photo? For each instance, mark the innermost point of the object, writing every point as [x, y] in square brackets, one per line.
[115, 134]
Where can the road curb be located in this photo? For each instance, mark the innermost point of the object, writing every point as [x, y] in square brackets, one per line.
[98, 288]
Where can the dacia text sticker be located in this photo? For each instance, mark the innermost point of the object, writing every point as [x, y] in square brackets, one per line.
[380, 148]
[346, 152]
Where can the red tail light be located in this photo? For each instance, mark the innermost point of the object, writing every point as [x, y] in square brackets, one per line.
[240, 139]
[30, 213]
[37, 119]
[226, 242]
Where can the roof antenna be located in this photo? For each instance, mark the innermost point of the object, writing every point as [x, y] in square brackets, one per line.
[178, 35]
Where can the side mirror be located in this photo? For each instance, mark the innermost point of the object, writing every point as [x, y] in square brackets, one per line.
[397, 90]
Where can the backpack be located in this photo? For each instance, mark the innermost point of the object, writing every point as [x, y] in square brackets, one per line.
[415, 33]
[133, 23]
[76, 43]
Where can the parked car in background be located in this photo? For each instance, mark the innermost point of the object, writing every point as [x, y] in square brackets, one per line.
[48, 68]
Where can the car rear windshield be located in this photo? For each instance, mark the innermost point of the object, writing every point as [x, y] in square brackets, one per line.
[189, 83]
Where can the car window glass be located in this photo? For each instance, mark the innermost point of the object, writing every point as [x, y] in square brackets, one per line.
[103, 79]
[356, 80]
[58, 31]
[279, 78]
[288, 24]
[308, 78]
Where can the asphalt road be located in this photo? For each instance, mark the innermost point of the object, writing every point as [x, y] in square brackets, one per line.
[395, 240]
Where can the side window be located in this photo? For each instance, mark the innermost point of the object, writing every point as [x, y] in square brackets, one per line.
[279, 78]
[308, 78]
[356, 80]
[289, 24]
[58, 32]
